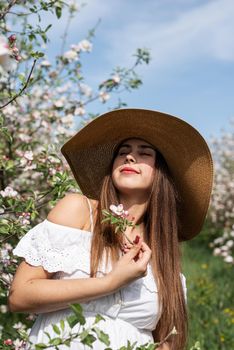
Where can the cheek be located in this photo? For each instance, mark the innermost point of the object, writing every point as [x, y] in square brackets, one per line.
[150, 171]
[115, 167]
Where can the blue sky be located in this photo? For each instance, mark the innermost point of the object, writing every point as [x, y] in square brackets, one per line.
[191, 74]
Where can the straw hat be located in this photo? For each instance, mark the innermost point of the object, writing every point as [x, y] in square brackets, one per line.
[89, 154]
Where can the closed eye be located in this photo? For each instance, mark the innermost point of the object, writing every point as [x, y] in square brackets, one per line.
[146, 154]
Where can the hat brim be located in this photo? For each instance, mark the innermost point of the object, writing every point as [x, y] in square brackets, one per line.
[90, 151]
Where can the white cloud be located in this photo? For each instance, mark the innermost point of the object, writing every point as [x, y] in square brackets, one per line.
[204, 31]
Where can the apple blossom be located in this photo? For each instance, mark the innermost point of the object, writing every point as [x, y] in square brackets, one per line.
[85, 90]
[9, 192]
[79, 111]
[116, 78]
[229, 259]
[118, 210]
[85, 45]
[5, 60]
[19, 344]
[45, 63]
[70, 55]
[103, 96]
[28, 155]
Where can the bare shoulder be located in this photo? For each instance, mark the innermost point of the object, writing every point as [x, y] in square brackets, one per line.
[72, 210]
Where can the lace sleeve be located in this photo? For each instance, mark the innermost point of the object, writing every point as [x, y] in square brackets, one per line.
[55, 248]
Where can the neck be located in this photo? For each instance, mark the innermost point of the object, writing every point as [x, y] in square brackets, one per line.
[135, 206]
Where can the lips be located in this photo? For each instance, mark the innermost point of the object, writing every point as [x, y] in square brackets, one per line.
[129, 170]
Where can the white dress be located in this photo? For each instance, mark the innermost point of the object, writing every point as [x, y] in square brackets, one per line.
[130, 314]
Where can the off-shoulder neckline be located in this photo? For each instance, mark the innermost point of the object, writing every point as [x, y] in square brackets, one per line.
[68, 227]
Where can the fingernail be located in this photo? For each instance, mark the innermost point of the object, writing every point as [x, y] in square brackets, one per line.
[136, 240]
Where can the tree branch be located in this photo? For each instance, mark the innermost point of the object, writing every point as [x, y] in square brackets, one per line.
[23, 88]
[7, 9]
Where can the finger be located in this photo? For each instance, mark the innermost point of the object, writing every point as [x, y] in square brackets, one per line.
[125, 250]
[127, 245]
[133, 251]
[145, 253]
[145, 247]
[136, 240]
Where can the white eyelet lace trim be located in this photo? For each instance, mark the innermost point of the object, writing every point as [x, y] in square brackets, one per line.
[65, 249]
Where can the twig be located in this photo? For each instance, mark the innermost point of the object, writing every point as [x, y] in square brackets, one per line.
[127, 238]
[5, 281]
[172, 332]
[7, 237]
[23, 88]
[4, 12]
[64, 36]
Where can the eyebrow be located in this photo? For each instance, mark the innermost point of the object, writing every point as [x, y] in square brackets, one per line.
[126, 145]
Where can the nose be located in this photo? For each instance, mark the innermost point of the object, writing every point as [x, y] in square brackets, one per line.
[130, 158]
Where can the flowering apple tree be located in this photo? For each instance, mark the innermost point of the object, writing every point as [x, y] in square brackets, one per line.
[43, 101]
[221, 213]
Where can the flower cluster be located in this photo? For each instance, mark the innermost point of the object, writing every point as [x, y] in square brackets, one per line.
[221, 213]
[49, 105]
[117, 217]
[73, 54]
[5, 254]
[8, 51]
[13, 48]
[223, 246]
[24, 218]
[119, 210]
[9, 192]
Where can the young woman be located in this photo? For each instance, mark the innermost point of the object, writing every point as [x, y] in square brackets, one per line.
[160, 169]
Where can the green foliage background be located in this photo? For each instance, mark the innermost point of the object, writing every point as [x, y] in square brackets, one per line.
[210, 286]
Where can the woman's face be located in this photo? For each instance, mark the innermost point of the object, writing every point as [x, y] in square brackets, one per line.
[134, 166]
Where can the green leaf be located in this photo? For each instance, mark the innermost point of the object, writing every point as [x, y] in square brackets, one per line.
[56, 329]
[103, 337]
[31, 36]
[105, 212]
[72, 320]
[83, 334]
[67, 342]
[77, 308]
[37, 54]
[48, 334]
[48, 27]
[105, 220]
[5, 132]
[43, 36]
[58, 11]
[62, 325]
[56, 341]
[89, 340]
[99, 318]
[40, 346]
[21, 77]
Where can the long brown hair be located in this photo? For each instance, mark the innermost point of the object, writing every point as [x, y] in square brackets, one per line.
[161, 221]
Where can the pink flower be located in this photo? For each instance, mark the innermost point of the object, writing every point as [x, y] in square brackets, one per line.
[12, 38]
[4, 54]
[118, 210]
[8, 342]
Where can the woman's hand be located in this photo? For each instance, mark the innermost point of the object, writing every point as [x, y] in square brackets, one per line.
[132, 265]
